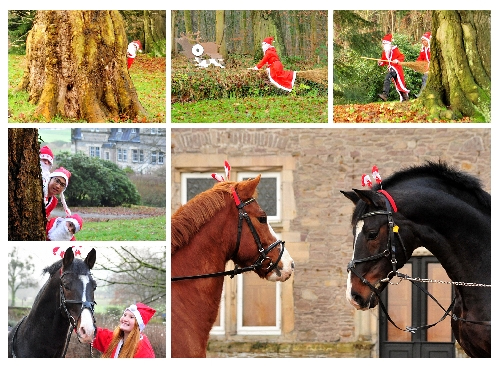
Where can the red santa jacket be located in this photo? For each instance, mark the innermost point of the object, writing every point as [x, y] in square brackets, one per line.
[103, 339]
[425, 54]
[270, 57]
[395, 54]
[51, 204]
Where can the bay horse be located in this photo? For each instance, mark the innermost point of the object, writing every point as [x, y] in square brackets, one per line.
[64, 303]
[207, 232]
[442, 209]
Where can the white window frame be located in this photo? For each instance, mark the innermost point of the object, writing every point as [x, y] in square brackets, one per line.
[257, 330]
[135, 155]
[106, 155]
[161, 157]
[277, 175]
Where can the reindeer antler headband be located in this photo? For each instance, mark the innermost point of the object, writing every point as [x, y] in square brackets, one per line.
[366, 181]
[220, 178]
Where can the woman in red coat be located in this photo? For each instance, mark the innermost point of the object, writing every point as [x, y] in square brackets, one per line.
[128, 339]
[391, 57]
[280, 78]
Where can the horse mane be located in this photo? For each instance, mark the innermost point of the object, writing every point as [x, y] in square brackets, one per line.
[77, 265]
[53, 268]
[189, 218]
[457, 181]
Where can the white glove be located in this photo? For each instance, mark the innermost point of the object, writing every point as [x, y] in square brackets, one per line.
[255, 68]
[395, 62]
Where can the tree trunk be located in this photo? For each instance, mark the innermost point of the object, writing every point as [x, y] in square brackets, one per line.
[155, 32]
[220, 38]
[76, 67]
[188, 23]
[173, 32]
[263, 27]
[460, 69]
[27, 220]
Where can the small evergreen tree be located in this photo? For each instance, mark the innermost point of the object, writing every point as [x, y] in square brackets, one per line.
[96, 182]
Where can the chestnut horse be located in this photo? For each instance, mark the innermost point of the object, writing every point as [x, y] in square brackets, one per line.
[220, 224]
[443, 210]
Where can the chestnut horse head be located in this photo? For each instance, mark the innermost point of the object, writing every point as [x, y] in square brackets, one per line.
[221, 224]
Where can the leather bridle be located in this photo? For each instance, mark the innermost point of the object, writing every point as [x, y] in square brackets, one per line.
[243, 215]
[85, 305]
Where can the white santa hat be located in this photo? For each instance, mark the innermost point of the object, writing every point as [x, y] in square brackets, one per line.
[63, 173]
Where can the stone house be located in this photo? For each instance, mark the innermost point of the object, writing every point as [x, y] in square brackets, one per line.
[306, 169]
[141, 149]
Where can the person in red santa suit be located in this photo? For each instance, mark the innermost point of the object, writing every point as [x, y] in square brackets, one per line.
[128, 339]
[46, 162]
[391, 57]
[58, 182]
[64, 228]
[425, 55]
[132, 49]
[279, 77]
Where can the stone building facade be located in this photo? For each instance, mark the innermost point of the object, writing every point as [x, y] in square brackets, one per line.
[314, 165]
[142, 149]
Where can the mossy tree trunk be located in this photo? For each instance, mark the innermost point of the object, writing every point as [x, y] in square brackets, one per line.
[27, 220]
[155, 32]
[76, 67]
[460, 71]
[220, 29]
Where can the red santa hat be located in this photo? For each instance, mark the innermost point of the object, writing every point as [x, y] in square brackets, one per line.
[138, 43]
[427, 36]
[387, 38]
[268, 40]
[76, 220]
[46, 153]
[63, 173]
[142, 313]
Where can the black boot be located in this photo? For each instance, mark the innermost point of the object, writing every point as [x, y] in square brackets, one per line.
[405, 97]
[383, 96]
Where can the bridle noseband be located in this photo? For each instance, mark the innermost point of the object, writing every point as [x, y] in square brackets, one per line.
[243, 215]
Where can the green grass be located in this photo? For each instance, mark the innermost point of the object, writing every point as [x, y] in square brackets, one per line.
[148, 76]
[149, 229]
[288, 108]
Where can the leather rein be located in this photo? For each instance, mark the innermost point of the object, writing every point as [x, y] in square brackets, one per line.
[390, 251]
[243, 215]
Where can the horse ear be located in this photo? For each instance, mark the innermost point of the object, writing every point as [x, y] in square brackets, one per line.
[351, 195]
[246, 189]
[371, 197]
[90, 260]
[68, 257]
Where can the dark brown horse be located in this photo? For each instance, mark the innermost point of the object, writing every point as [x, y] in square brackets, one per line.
[443, 210]
[214, 227]
[63, 305]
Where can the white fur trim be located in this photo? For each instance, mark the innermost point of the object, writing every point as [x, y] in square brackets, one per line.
[75, 222]
[138, 316]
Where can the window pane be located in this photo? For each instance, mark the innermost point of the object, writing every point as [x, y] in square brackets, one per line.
[441, 332]
[399, 302]
[195, 186]
[267, 194]
[259, 301]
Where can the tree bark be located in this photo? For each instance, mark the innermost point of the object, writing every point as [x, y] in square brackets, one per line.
[460, 69]
[76, 67]
[155, 32]
[27, 220]
[173, 32]
[220, 38]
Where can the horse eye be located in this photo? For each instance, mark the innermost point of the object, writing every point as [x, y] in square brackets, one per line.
[372, 235]
[263, 219]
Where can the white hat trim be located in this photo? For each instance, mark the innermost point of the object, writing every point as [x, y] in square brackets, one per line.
[60, 174]
[77, 225]
[48, 157]
[138, 316]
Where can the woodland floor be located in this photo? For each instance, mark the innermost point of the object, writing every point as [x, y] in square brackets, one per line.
[385, 112]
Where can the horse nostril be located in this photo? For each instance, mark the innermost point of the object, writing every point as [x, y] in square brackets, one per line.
[293, 265]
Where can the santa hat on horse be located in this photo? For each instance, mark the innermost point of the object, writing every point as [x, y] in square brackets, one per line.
[142, 313]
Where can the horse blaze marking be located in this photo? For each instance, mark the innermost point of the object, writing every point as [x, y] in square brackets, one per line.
[359, 226]
[86, 321]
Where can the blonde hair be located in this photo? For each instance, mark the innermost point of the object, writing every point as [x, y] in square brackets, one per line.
[129, 347]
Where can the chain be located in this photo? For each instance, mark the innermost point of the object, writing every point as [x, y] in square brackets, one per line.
[427, 280]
